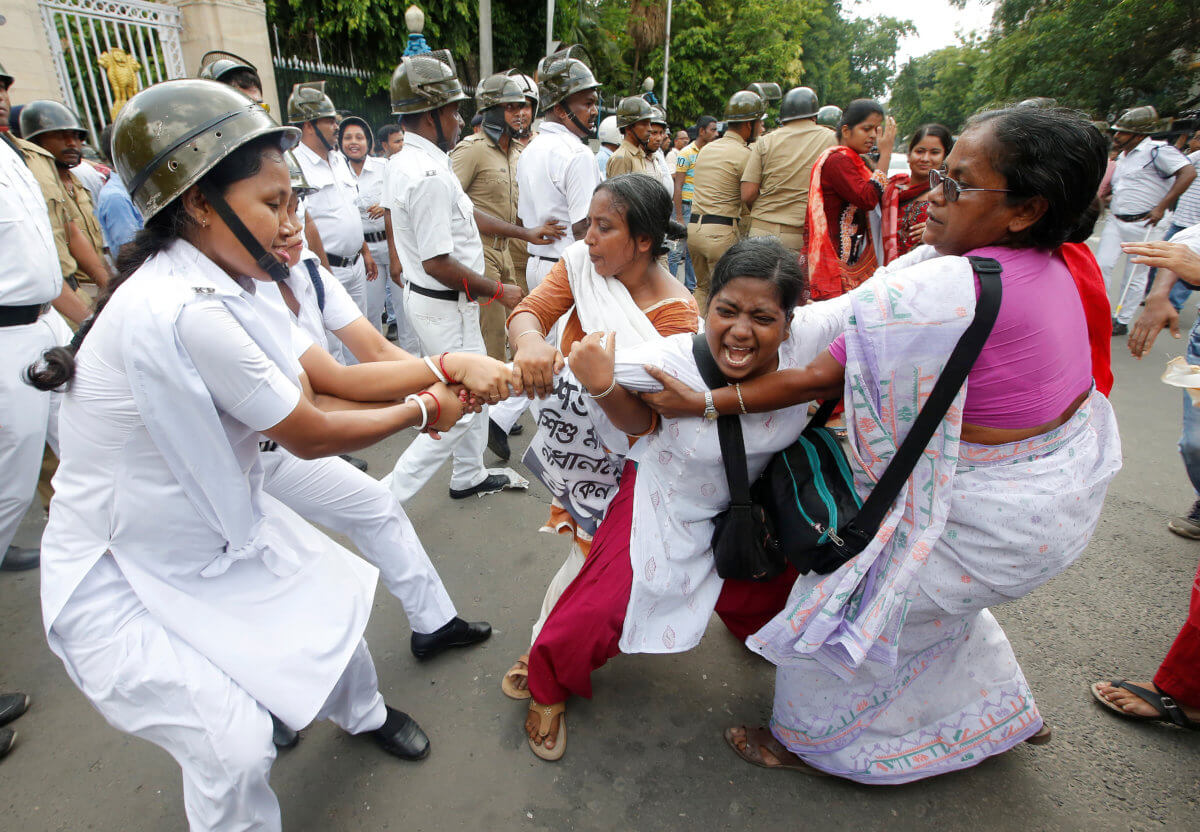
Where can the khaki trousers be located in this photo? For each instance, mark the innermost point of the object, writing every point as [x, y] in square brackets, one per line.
[792, 236]
[498, 265]
[706, 244]
[518, 250]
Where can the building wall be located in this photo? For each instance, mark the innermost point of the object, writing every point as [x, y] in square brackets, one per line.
[25, 53]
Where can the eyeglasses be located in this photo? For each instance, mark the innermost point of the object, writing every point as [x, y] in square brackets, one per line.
[952, 189]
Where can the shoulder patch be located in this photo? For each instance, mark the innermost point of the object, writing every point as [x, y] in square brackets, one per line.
[204, 290]
[431, 172]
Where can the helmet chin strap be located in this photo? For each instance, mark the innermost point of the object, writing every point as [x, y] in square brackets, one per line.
[321, 136]
[588, 133]
[263, 258]
[495, 125]
[441, 135]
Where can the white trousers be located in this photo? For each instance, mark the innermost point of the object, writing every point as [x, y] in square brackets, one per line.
[566, 573]
[1109, 253]
[336, 495]
[354, 279]
[508, 412]
[376, 290]
[444, 326]
[24, 420]
[150, 683]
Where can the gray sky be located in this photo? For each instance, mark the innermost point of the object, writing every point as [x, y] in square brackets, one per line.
[938, 23]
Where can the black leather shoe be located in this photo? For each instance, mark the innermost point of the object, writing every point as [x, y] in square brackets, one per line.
[360, 464]
[498, 441]
[490, 485]
[457, 633]
[401, 736]
[18, 559]
[12, 705]
[517, 430]
[7, 737]
[283, 736]
[392, 334]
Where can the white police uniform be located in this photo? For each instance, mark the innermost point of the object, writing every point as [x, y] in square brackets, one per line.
[432, 216]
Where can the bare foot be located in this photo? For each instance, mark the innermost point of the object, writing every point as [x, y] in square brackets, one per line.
[533, 724]
[1131, 703]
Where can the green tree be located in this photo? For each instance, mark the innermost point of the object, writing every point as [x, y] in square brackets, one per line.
[848, 59]
[937, 87]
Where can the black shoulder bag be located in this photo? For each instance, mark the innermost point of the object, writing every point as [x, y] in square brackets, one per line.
[804, 510]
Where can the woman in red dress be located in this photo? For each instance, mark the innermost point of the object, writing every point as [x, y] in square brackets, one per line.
[907, 194]
[840, 250]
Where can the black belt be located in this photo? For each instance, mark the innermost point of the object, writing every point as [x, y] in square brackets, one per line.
[268, 446]
[1132, 217]
[547, 259]
[709, 219]
[20, 315]
[376, 236]
[342, 262]
[438, 294]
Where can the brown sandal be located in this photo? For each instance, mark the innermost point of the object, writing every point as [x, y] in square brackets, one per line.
[763, 738]
[546, 715]
[520, 670]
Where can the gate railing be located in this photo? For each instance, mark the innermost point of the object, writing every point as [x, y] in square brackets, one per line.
[80, 31]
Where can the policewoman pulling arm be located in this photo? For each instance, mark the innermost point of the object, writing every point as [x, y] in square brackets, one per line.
[186, 603]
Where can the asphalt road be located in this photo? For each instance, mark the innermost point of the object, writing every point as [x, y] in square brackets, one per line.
[647, 752]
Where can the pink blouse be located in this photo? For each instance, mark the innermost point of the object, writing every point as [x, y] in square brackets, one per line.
[1037, 359]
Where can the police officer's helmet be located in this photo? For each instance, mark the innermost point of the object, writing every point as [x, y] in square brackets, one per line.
[497, 91]
[799, 102]
[296, 177]
[215, 65]
[5, 78]
[631, 110]
[745, 105]
[366, 128]
[561, 75]
[829, 116]
[308, 102]
[38, 117]
[658, 116]
[1141, 121]
[768, 91]
[425, 82]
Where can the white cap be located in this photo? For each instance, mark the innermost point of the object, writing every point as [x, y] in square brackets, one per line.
[609, 134]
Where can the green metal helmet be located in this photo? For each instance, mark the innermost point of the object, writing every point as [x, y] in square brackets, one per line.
[1141, 121]
[38, 117]
[5, 78]
[768, 91]
[1038, 103]
[425, 82]
[1102, 126]
[800, 102]
[745, 105]
[631, 110]
[296, 177]
[561, 76]
[829, 116]
[169, 135]
[216, 64]
[308, 102]
[498, 90]
[657, 116]
[529, 87]
[366, 128]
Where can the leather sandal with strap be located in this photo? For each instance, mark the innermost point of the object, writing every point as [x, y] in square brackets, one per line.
[546, 715]
[1168, 709]
[520, 670]
[757, 739]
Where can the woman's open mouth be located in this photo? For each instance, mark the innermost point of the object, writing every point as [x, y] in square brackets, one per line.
[737, 356]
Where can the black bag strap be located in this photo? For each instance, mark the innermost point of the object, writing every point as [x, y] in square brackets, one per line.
[317, 282]
[866, 523]
[729, 428]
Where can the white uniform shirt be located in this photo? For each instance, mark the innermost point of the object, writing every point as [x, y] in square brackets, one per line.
[1187, 210]
[431, 213]
[665, 171]
[333, 205]
[29, 270]
[91, 178]
[1144, 175]
[340, 309]
[556, 175]
[370, 192]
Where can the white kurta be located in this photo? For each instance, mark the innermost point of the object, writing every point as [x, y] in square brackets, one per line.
[681, 484]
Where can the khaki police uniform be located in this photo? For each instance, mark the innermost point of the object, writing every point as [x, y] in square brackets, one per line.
[629, 158]
[781, 165]
[716, 205]
[489, 176]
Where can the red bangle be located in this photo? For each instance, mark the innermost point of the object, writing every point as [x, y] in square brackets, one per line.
[468, 291]
[499, 289]
[442, 364]
[438, 415]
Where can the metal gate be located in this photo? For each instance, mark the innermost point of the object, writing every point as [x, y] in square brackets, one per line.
[80, 31]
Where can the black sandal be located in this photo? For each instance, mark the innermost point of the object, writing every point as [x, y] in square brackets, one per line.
[1168, 710]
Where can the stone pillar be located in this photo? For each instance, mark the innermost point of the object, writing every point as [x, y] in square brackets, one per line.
[25, 53]
[237, 26]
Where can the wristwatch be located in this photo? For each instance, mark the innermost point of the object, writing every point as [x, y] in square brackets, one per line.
[710, 409]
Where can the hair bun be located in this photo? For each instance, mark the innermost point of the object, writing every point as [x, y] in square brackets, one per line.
[1086, 226]
[676, 231]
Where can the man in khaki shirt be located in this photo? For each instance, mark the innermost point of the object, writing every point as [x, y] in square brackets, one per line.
[486, 166]
[633, 155]
[775, 182]
[717, 194]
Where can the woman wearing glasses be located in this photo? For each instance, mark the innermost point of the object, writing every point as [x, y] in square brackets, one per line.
[891, 668]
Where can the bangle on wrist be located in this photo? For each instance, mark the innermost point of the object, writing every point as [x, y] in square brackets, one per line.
[467, 289]
[440, 375]
[499, 290]
[437, 416]
[741, 402]
[611, 387]
[415, 397]
[446, 373]
[537, 332]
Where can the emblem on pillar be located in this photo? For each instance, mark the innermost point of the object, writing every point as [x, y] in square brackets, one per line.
[122, 71]
[414, 19]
